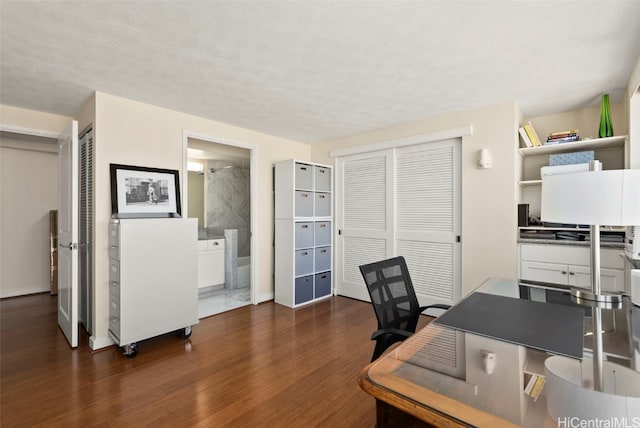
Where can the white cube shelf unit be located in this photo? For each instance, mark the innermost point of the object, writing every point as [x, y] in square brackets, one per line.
[303, 232]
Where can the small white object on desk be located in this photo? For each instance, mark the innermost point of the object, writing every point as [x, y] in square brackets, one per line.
[489, 361]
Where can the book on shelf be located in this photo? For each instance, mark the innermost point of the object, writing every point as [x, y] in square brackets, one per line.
[560, 134]
[525, 137]
[563, 137]
[533, 136]
[571, 139]
[534, 386]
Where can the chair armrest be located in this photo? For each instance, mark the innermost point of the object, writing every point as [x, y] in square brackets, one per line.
[402, 334]
[435, 306]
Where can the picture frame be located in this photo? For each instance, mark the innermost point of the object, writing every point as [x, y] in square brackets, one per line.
[141, 192]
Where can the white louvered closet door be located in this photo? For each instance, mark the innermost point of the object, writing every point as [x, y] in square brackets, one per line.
[427, 224]
[364, 216]
[403, 201]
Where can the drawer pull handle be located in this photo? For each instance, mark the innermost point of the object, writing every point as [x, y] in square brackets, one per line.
[305, 226]
[322, 171]
[323, 251]
[321, 196]
[304, 195]
[216, 243]
[114, 283]
[572, 273]
[323, 225]
[324, 277]
[303, 168]
[305, 254]
[564, 272]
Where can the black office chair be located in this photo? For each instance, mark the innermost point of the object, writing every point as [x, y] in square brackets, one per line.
[394, 302]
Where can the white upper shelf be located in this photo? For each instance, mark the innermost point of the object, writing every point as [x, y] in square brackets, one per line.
[576, 146]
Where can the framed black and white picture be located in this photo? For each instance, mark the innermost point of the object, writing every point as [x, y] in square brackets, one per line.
[138, 191]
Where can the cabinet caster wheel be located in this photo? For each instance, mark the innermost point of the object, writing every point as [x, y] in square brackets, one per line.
[185, 333]
[130, 350]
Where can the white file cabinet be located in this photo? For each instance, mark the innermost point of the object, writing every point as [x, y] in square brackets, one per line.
[303, 232]
[152, 279]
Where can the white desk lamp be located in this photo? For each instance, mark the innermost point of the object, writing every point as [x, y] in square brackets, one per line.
[595, 198]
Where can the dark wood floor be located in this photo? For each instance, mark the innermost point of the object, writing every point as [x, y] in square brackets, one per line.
[264, 365]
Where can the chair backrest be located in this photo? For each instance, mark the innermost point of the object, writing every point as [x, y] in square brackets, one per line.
[392, 295]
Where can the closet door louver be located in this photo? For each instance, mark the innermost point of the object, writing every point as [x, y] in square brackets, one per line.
[86, 231]
[364, 221]
[424, 182]
[426, 218]
[365, 183]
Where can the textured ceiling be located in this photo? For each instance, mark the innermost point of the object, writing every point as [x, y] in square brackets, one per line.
[317, 70]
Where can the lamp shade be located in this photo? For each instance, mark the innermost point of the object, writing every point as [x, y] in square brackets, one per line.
[610, 197]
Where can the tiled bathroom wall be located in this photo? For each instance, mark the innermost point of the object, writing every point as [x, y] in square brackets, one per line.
[228, 201]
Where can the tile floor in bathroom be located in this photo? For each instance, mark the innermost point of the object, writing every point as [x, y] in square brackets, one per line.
[212, 302]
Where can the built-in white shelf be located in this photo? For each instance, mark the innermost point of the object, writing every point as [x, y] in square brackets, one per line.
[525, 183]
[534, 363]
[576, 146]
[582, 229]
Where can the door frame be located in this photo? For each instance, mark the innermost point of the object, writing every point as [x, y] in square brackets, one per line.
[253, 162]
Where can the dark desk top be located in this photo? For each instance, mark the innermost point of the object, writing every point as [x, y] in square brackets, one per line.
[520, 321]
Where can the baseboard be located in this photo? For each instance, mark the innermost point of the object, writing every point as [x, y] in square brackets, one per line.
[23, 292]
[265, 297]
[96, 343]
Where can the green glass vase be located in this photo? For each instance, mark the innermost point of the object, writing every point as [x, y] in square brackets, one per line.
[606, 127]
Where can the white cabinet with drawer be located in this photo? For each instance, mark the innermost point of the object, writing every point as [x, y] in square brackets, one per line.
[152, 279]
[211, 263]
[570, 265]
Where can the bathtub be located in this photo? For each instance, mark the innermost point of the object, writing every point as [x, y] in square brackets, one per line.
[244, 271]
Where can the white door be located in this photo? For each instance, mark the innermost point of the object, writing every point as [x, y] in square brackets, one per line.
[364, 217]
[406, 202]
[428, 220]
[68, 233]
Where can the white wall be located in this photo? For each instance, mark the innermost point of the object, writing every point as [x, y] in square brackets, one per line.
[28, 190]
[633, 98]
[195, 197]
[24, 118]
[489, 197]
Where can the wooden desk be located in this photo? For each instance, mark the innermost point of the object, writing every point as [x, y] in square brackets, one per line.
[414, 386]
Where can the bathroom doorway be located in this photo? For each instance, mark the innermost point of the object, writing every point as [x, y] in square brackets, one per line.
[218, 191]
